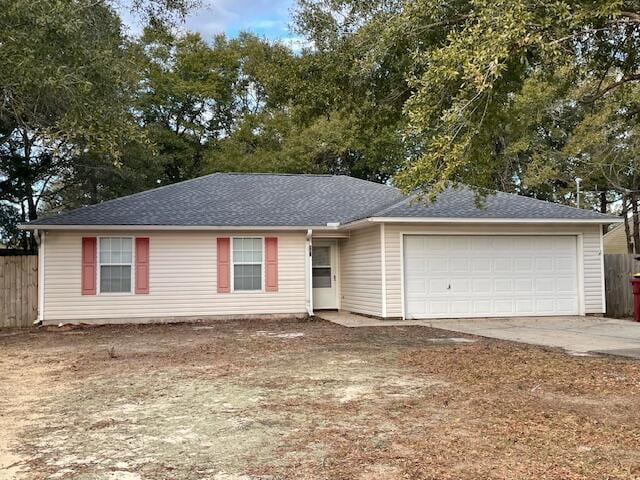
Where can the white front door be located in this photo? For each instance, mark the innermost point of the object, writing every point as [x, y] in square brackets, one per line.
[490, 276]
[324, 275]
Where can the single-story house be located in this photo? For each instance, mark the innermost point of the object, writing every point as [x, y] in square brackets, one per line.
[615, 240]
[232, 245]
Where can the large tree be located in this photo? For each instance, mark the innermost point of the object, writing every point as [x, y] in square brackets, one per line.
[66, 82]
[519, 95]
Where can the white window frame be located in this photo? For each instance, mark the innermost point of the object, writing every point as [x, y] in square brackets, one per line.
[133, 263]
[329, 265]
[233, 265]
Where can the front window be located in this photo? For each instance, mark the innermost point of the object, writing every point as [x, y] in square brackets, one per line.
[115, 265]
[247, 264]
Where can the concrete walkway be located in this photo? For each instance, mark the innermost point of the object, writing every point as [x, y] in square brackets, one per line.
[351, 320]
[577, 335]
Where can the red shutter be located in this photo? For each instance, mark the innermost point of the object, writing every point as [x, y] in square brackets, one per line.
[89, 251]
[271, 263]
[142, 265]
[223, 267]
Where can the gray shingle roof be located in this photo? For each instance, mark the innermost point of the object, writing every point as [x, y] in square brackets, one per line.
[229, 199]
[461, 203]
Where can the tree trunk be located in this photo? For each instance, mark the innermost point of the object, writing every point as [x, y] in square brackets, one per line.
[636, 222]
[94, 189]
[31, 208]
[627, 229]
[32, 212]
[603, 202]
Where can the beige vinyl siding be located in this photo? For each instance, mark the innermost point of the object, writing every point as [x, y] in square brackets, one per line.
[592, 279]
[615, 241]
[361, 272]
[182, 279]
[593, 274]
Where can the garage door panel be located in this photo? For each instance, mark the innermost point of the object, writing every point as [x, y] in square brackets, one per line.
[481, 307]
[437, 265]
[481, 265]
[460, 265]
[566, 285]
[436, 244]
[503, 307]
[460, 285]
[545, 306]
[565, 305]
[439, 307]
[503, 265]
[461, 307]
[414, 246]
[544, 264]
[544, 285]
[417, 308]
[564, 264]
[503, 285]
[459, 276]
[523, 265]
[524, 285]
[525, 307]
[417, 266]
[480, 286]
[417, 286]
[479, 244]
[459, 244]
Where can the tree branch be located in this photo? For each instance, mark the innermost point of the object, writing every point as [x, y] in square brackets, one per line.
[633, 16]
[626, 79]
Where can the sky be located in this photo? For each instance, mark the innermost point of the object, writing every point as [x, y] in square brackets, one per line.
[267, 18]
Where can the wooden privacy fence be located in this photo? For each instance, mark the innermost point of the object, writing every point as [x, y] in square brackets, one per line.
[618, 269]
[18, 290]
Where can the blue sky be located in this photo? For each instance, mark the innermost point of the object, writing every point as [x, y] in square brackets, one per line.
[268, 18]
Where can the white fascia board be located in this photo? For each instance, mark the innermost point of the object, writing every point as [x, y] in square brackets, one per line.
[487, 220]
[178, 227]
[325, 228]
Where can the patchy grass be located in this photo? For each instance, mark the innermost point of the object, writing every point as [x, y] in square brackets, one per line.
[309, 400]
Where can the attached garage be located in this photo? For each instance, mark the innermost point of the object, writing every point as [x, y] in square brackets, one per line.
[449, 276]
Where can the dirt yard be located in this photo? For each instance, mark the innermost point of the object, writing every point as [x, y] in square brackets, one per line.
[309, 401]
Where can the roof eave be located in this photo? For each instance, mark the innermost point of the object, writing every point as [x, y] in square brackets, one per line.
[329, 227]
[467, 220]
[44, 226]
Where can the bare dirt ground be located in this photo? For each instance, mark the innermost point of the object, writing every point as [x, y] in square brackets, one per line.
[309, 400]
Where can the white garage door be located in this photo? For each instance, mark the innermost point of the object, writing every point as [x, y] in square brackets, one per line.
[490, 276]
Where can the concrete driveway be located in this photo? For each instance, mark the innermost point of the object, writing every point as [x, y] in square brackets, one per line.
[577, 335]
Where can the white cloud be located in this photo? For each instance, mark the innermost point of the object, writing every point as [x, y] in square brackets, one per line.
[264, 17]
[267, 18]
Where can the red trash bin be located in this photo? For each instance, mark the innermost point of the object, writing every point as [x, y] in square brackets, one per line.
[635, 284]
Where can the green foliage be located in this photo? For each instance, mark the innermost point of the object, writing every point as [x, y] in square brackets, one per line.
[66, 78]
[67, 82]
[506, 88]
[517, 95]
[245, 104]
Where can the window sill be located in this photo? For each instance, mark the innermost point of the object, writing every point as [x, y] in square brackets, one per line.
[115, 294]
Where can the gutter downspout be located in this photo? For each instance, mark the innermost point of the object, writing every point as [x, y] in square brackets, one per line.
[40, 241]
[309, 273]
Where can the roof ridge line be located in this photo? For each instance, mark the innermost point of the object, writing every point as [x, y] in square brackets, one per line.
[283, 174]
